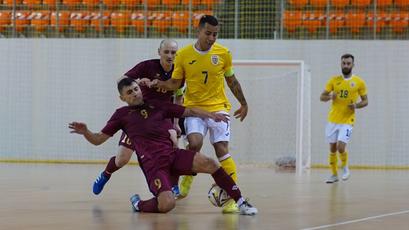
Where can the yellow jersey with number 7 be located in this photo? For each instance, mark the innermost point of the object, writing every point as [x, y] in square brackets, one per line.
[347, 91]
[204, 74]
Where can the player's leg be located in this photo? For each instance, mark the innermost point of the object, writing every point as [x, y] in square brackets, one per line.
[203, 164]
[121, 159]
[331, 133]
[195, 129]
[160, 186]
[219, 135]
[174, 179]
[343, 138]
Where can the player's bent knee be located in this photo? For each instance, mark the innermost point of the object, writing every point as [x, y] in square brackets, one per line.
[166, 202]
[123, 157]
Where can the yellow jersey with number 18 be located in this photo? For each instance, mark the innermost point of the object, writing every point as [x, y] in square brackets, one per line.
[204, 74]
[348, 92]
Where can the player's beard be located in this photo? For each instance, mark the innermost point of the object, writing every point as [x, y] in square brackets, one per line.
[346, 71]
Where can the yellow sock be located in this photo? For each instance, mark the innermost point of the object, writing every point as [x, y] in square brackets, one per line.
[344, 159]
[229, 166]
[333, 163]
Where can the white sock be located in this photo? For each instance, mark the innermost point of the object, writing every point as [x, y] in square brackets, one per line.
[240, 201]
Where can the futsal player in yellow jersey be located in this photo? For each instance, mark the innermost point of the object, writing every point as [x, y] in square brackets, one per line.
[204, 66]
[344, 91]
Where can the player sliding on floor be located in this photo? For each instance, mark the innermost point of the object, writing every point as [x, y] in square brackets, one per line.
[145, 124]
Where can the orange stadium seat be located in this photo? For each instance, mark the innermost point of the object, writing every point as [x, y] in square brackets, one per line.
[40, 20]
[111, 3]
[80, 20]
[195, 3]
[10, 2]
[63, 20]
[171, 3]
[138, 21]
[298, 3]
[32, 3]
[132, 3]
[180, 20]
[318, 3]
[71, 3]
[382, 19]
[120, 20]
[49, 3]
[5, 20]
[22, 21]
[355, 21]
[339, 3]
[210, 3]
[383, 3]
[97, 19]
[402, 3]
[399, 22]
[161, 21]
[292, 20]
[152, 3]
[313, 20]
[361, 3]
[336, 21]
[90, 4]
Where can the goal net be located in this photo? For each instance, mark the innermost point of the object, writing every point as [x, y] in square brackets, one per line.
[277, 127]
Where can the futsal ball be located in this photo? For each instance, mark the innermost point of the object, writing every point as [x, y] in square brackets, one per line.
[218, 196]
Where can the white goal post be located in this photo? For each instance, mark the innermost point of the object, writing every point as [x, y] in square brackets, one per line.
[287, 78]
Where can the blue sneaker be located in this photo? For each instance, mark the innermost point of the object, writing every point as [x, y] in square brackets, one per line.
[99, 183]
[175, 191]
[135, 201]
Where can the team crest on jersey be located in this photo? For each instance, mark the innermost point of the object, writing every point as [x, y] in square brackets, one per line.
[215, 59]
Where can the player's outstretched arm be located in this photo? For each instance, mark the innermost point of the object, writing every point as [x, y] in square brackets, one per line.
[235, 88]
[170, 85]
[326, 96]
[93, 138]
[196, 112]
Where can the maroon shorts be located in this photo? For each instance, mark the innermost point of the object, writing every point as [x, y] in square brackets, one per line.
[125, 141]
[159, 172]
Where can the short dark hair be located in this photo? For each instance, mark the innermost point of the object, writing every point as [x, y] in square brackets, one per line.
[348, 56]
[125, 82]
[209, 19]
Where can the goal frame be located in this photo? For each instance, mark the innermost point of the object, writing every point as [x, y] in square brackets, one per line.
[303, 142]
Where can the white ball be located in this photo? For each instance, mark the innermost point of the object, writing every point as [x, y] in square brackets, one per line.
[218, 196]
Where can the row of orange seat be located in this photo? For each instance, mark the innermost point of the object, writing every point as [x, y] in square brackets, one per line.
[111, 3]
[81, 20]
[344, 3]
[355, 21]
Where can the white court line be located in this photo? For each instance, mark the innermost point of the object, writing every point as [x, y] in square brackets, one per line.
[357, 220]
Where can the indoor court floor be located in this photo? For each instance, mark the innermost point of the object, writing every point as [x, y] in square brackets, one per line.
[59, 196]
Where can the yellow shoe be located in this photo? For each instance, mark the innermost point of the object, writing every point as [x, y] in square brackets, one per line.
[185, 186]
[230, 207]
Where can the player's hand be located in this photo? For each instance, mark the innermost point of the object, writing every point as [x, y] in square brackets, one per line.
[178, 129]
[153, 83]
[78, 127]
[241, 112]
[143, 81]
[352, 106]
[218, 117]
[334, 96]
[173, 137]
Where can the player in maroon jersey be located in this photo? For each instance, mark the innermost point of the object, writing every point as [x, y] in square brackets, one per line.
[147, 70]
[145, 123]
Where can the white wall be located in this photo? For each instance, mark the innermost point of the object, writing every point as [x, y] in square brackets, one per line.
[46, 83]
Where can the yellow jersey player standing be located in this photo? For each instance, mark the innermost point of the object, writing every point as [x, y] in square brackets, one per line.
[204, 66]
[344, 91]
